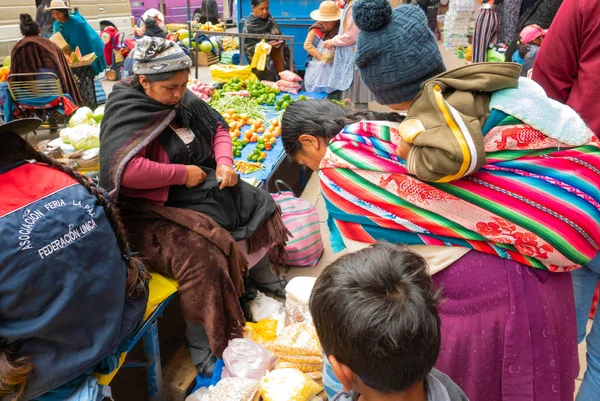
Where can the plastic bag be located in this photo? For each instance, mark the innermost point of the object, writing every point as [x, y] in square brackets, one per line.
[298, 293]
[81, 116]
[261, 51]
[297, 340]
[328, 57]
[236, 389]
[224, 73]
[64, 135]
[262, 332]
[264, 307]
[202, 394]
[246, 359]
[301, 366]
[289, 76]
[289, 86]
[84, 137]
[288, 385]
[270, 83]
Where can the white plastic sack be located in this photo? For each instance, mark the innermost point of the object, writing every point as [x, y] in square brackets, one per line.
[264, 307]
[297, 294]
[202, 394]
[246, 359]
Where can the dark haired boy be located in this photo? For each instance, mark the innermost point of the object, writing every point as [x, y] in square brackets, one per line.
[375, 312]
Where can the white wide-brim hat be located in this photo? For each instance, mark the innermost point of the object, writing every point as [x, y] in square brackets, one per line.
[57, 5]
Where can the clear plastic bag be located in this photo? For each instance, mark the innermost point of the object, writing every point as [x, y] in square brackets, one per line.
[202, 394]
[298, 293]
[288, 86]
[304, 367]
[288, 385]
[290, 76]
[236, 389]
[246, 359]
[297, 340]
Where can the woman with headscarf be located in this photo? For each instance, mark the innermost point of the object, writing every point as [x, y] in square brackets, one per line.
[35, 53]
[71, 291]
[166, 160]
[492, 182]
[78, 33]
[261, 22]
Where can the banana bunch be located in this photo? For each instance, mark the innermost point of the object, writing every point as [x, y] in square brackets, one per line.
[230, 44]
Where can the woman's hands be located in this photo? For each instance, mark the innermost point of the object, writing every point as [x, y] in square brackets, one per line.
[227, 175]
[328, 44]
[195, 176]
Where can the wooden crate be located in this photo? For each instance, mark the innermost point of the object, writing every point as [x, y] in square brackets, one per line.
[179, 375]
[205, 59]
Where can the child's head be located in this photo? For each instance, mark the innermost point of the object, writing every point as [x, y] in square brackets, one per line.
[532, 35]
[375, 312]
[328, 14]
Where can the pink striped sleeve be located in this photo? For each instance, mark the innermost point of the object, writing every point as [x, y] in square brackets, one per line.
[222, 146]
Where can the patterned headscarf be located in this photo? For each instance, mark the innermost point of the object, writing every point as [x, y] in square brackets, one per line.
[156, 56]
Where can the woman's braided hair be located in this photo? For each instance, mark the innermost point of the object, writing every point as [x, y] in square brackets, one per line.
[14, 368]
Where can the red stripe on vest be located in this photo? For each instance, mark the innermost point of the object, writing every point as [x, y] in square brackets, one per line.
[28, 183]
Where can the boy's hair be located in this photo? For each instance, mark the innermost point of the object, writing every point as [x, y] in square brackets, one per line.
[375, 311]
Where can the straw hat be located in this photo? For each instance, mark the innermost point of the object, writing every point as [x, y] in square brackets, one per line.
[328, 11]
[57, 5]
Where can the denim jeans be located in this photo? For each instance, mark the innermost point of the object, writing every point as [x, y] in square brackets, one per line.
[585, 282]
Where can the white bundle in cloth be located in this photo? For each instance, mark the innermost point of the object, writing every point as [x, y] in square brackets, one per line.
[297, 294]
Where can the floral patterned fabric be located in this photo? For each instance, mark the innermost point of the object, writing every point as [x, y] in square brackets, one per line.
[536, 202]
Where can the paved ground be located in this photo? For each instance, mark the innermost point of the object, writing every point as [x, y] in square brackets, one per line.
[130, 384]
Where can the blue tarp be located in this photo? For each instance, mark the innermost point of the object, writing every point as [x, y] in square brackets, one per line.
[275, 155]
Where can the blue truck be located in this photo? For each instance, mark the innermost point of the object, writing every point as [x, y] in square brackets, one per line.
[293, 17]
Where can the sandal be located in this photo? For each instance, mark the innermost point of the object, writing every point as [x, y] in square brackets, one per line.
[207, 362]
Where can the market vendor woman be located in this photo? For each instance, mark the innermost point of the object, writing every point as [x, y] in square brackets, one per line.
[166, 158]
[261, 22]
[78, 33]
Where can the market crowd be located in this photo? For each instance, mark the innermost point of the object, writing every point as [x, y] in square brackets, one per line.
[469, 213]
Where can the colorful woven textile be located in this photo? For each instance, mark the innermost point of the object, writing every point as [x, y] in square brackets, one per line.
[535, 202]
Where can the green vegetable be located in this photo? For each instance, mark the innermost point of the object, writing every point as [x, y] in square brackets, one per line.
[302, 97]
[241, 105]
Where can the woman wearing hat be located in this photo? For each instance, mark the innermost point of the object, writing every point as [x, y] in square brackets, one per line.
[70, 290]
[78, 33]
[498, 208]
[345, 76]
[166, 159]
[319, 65]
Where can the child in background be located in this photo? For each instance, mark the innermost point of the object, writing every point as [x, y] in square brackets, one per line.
[530, 38]
[375, 312]
[319, 65]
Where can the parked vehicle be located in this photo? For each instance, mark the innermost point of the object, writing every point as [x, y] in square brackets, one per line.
[98, 13]
[175, 11]
[293, 21]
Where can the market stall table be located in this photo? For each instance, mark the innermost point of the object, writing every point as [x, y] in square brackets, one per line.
[276, 156]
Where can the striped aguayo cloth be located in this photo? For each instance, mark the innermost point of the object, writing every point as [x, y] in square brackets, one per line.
[536, 201]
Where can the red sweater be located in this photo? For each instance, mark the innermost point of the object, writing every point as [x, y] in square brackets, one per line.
[149, 174]
[568, 62]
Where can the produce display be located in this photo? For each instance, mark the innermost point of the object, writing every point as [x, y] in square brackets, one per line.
[285, 101]
[245, 167]
[76, 57]
[83, 132]
[202, 90]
